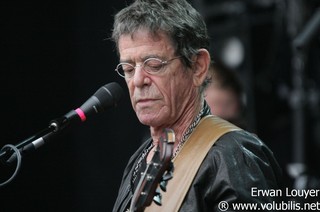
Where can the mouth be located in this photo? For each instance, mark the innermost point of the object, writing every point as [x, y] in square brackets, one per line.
[145, 102]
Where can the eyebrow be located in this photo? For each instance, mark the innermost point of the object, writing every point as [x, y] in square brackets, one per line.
[142, 59]
[151, 56]
[125, 61]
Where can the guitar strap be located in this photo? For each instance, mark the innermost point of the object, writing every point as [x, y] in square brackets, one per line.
[188, 161]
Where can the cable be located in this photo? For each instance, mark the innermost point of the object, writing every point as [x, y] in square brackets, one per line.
[18, 154]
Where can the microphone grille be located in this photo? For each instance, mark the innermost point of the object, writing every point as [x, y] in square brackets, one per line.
[109, 94]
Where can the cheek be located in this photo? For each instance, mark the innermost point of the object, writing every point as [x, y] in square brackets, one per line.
[131, 92]
[179, 93]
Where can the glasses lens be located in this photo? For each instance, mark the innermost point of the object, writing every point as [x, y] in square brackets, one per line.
[153, 65]
[125, 69]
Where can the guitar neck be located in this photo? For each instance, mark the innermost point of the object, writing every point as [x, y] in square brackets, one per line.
[151, 177]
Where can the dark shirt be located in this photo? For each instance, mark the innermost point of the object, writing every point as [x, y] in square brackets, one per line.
[235, 165]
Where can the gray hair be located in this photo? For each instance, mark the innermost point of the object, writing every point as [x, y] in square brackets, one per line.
[183, 25]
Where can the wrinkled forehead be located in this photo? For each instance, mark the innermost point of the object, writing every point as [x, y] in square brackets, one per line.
[142, 45]
[148, 34]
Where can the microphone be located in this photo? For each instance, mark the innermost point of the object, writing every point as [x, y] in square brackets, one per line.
[107, 96]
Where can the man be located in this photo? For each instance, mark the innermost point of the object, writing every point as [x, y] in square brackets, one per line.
[164, 59]
[224, 94]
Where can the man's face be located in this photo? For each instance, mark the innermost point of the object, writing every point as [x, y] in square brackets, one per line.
[158, 100]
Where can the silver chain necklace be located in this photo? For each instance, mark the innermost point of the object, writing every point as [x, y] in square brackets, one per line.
[187, 133]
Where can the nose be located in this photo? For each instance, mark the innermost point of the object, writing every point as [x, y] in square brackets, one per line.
[140, 77]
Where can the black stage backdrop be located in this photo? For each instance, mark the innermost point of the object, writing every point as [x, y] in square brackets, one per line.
[55, 55]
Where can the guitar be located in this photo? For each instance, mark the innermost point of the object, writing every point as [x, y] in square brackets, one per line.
[158, 171]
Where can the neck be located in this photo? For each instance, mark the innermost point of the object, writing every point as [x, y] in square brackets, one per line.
[180, 125]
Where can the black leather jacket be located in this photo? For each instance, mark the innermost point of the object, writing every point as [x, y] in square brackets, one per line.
[234, 169]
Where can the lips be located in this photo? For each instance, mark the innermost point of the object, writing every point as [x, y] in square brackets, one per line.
[145, 102]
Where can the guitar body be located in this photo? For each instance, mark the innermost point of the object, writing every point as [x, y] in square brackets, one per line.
[158, 170]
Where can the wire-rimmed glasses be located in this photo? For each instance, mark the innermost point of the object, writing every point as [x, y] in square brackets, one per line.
[152, 66]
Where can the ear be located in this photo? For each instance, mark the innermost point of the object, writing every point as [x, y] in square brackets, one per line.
[201, 66]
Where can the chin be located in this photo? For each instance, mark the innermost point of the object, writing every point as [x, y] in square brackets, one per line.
[148, 120]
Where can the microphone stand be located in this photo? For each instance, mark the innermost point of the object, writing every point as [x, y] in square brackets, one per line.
[10, 153]
[29, 144]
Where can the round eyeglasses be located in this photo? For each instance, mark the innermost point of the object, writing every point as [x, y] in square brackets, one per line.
[151, 66]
